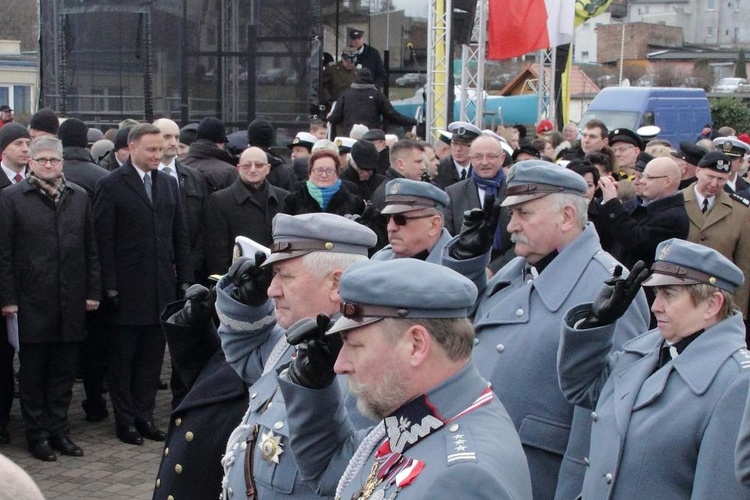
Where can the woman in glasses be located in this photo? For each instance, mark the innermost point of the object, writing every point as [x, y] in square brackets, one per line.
[323, 191]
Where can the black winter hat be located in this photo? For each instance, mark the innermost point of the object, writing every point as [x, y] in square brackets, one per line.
[73, 133]
[121, 139]
[365, 155]
[188, 132]
[363, 76]
[260, 133]
[211, 129]
[45, 120]
[11, 132]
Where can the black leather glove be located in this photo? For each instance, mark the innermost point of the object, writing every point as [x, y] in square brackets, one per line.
[368, 215]
[615, 296]
[199, 306]
[312, 365]
[112, 297]
[478, 230]
[250, 281]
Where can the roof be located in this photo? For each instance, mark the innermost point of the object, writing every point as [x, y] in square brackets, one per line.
[580, 83]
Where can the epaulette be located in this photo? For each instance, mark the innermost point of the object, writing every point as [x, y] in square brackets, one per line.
[739, 198]
[459, 445]
[742, 356]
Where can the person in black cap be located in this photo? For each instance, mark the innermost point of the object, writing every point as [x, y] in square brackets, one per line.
[43, 122]
[78, 166]
[120, 153]
[208, 156]
[338, 77]
[364, 103]
[718, 219]
[688, 157]
[377, 137]
[362, 169]
[187, 137]
[525, 152]
[626, 145]
[6, 115]
[457, 166]
[367, 55]
[260, 134]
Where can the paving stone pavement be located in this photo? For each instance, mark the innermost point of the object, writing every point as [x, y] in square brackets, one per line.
[108, 469]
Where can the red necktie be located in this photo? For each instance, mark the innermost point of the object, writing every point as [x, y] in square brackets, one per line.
[17, 179]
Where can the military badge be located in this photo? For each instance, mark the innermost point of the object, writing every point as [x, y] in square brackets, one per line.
[722, 165]
[395, 188]
[270, 447]
[663, 252]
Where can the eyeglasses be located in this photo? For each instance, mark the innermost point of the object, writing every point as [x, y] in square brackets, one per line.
[248, 166]
[323, 171]
[402, 220]
[52, 161]
[490, 157]
[647, 177]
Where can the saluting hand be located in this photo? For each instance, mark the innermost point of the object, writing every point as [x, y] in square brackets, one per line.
[615, 296]
[312, 365]
[250, 281]
[478, 230]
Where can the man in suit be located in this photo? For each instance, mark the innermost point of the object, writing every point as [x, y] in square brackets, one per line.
[560, 264]
[669, 405]
[736, 150]
[457, 167]
[193, 193]
[487, 177]
[718, 219]
[14, 149]
[145, 256]
[407, 353]
[49, 279]
[246, 208]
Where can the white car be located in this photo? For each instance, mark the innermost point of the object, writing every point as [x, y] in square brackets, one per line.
[728, 85]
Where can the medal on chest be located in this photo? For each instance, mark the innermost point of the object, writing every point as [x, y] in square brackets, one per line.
[270, 447]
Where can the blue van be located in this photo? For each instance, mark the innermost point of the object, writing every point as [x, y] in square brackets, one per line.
[680, 113]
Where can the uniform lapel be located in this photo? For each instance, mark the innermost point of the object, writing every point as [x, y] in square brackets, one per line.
[721, 209]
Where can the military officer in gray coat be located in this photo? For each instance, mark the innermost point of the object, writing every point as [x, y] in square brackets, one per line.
[560, 264]
[405, 343]
[669, 404]
[301, 278]
[414, 210]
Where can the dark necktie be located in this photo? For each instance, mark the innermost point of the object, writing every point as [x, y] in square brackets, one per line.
[17, 179]
[147, 185]
[705, 205]
[463, 174]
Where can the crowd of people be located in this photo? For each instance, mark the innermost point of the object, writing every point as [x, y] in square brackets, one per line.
[488, 315]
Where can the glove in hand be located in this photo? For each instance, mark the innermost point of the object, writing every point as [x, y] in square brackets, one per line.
[478, 230]
[312, 365]
[199, 306]
[250, 280]
[615, 296]
[369, 214]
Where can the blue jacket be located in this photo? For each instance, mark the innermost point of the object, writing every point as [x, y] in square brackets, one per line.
[518, 330]
[668, 433]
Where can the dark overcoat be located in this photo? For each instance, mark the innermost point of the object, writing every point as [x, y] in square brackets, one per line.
[49, 264]
[143, 246]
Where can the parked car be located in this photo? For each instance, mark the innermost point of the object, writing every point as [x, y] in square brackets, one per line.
[411, 79]
[728, 85]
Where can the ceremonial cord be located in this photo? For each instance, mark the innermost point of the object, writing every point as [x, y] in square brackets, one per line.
[361, 456]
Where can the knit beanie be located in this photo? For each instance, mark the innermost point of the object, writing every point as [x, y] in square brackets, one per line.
[187, 133]
[93, 135]
[363, 76]
[11, 132]
[45, 120]
[365, 155]
[73, 133]
[211, 129]
[260, 133]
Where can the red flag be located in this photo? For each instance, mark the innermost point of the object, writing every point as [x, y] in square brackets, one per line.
[518, 27]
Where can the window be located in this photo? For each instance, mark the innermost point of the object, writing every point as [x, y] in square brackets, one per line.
[585, 55]
[4, 95]
[709, 31]
[736, 33]
[736, 5]
[710, 4]
[22, 99]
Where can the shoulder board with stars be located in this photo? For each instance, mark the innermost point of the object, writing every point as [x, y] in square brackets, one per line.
[739, 198]
[742, 356]
[459, 445]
